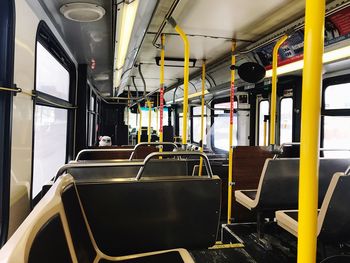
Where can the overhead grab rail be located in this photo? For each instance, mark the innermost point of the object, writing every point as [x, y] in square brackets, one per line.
[167, 16]
[186, 78]
[178, 154]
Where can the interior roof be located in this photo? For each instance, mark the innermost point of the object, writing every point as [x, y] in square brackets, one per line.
[87, 41]
[241, 19]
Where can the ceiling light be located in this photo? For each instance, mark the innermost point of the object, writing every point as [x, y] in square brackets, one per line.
[328, 57]
[125, 25]
[193, 95]
[82, 12]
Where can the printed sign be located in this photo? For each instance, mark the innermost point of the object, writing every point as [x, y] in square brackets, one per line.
[337, 28]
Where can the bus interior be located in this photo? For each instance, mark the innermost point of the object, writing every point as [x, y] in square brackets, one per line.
[144, 131]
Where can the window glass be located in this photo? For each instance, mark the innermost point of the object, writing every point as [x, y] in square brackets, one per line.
[196, 131]
[221, 127]
[337, 96]
[286, 121]
[51, 77]
[336, 135]
[49, 145]
[264, 108]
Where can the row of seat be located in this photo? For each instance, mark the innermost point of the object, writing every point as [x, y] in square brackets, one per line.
[104, 219]
[278, 190]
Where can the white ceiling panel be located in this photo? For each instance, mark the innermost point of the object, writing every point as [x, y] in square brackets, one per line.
[225, 19]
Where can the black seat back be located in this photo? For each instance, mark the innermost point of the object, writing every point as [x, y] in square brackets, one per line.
[170, 167]
[336, 227]
[128, 216]
[50, 244]
[280, 185]
[83, 246]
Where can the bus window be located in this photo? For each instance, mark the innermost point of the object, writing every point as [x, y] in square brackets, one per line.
[334, 97]
[264, 108]
[286, 120]
[196, 130]
[221, 126]
[336, 128]
[50, 122]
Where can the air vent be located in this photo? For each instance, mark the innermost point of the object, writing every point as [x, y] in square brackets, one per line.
[82, 12]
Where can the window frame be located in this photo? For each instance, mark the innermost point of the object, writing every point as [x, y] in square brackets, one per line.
[331, 112]
[7, 54]
[46, 38]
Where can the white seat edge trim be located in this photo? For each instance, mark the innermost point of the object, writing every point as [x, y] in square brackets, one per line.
[17, 248]
[244, 199]
[185, 255]
[286, 222]
[327, 199]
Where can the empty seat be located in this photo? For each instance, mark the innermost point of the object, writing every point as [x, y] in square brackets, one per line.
[58, 232]
[333, 217]
[279, 184]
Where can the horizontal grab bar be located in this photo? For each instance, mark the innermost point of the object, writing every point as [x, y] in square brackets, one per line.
[179, 153]
[65, 167]
[132, 150]
[151, 144]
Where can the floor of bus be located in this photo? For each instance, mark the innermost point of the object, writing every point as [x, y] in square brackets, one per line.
[277, 245]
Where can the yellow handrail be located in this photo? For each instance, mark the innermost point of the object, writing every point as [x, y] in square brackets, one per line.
[186, 77]
[202, 119]
[274, 89]
[149, 120]
[230, 155]
[140, 125]
[310, 130]
[161, 89]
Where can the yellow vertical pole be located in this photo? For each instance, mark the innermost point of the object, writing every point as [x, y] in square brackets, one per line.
[202, 119]
[140, 125]
[161, 89]
[230, 154]
[186, 78]
[274, 89]
[149, 120]
[310, 130]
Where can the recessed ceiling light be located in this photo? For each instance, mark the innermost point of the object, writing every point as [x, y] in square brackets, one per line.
[82, 12]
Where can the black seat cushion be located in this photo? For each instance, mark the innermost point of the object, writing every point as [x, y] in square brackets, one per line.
[292, 214]
[168, 257]
[250, 194]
